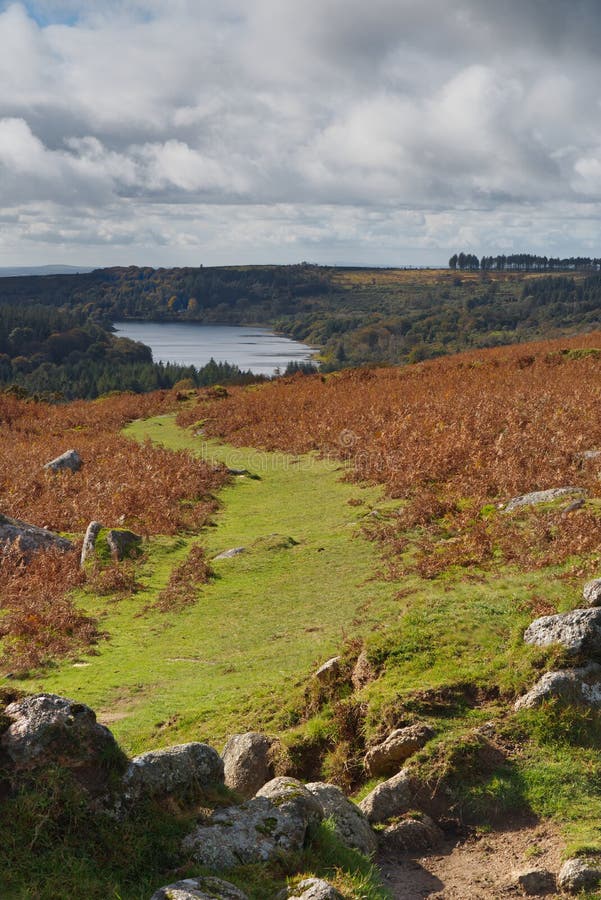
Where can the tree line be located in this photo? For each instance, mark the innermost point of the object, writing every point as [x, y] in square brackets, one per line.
[523, 262]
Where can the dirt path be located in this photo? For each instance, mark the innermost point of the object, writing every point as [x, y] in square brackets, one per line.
[479, 868]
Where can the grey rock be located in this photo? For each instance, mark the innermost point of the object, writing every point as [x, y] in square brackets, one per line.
[237, 471]
[581, 687]
[389, 799]
[206, 887]
[183, 772]
[47, 729]
[312, 889]
[350, 823]
[579, 875]
[411, 834]
[70, 461]
[89, 542]
[579, 632]
[535, 882]
[123, 543]
[591, 593]
[329, 671]
[362, 673]
[228, 554]
[248, 764]
[572, 507]
[385, 758]
[254, 832]
[588, 455]
[548, 496]
[291, 795]
[29, 538]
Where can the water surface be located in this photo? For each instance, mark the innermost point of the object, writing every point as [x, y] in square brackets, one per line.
[194, 344]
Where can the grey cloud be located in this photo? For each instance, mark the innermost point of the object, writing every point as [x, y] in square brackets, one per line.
[410, 118]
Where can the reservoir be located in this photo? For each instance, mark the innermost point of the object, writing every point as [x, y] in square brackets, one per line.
[194, 344]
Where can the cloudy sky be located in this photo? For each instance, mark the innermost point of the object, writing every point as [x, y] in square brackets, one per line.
[180, 132]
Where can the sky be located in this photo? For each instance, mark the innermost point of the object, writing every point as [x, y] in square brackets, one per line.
[389, 132]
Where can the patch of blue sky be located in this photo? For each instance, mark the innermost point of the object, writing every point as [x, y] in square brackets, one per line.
[48, 13]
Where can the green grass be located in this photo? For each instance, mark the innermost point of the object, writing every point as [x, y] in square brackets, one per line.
[232, 661]
[448, 650]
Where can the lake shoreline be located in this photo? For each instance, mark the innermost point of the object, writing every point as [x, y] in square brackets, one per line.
[254, 348]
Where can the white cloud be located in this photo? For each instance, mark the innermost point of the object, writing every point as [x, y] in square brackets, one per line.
[273, 127]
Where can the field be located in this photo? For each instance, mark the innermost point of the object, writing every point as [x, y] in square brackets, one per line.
[371, 517]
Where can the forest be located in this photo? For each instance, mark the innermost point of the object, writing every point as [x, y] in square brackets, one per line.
[55, 331]
[523, 262]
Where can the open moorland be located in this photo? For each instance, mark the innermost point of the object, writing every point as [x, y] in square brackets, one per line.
[372, 512]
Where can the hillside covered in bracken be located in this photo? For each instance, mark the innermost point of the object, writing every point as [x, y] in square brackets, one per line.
[389, 576]
[454, 438]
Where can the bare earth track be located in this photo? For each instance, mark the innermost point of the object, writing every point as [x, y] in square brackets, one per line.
[479, 868]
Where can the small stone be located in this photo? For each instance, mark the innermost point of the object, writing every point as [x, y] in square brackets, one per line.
[206, 887]
[591, 592]
[313, 889]
[389, 799]
[29, 538]
[183, 772]
[385, 758]
[579, 687]
[363, 672]
[228, 554]
[589, 455]
[579, 875]
[290, 794]
[350, 824]
[48, 730]
[579, 632]
[248, 763]
[89, 541]
[536, 882]
[71, 461]
[329, 671]
[411, 834]
[123, 543]
[548, 496]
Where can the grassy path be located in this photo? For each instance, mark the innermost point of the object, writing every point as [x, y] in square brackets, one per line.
[232, 661]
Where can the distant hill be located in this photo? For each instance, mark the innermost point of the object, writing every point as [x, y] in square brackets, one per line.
[11, 271]
[355, 316]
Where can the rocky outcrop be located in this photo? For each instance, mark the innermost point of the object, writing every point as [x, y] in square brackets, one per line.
[203, 888]
[252, 833]
[350, 824]
[311, 889]
[548, 496]
[591, 593]
[248, 764]
[410, 834]
[581, 687]
[578, 875]
[389, 799]
[69, 461]
[579, 632]
[123, 543]
[387, 757]
[49, 730]
[183, 772]
[29, 538]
